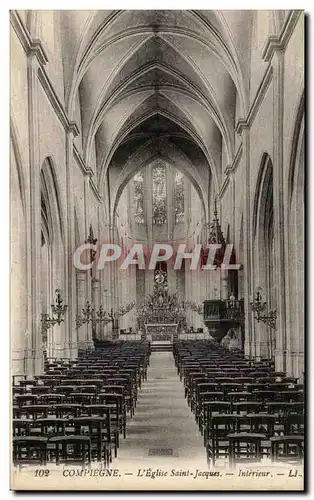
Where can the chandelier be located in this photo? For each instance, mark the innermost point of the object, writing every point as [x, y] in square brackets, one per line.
[215, 237]
[58, 311]
[258, 306]
[100, 316]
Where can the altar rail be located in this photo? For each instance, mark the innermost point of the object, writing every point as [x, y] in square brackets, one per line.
[181, 336]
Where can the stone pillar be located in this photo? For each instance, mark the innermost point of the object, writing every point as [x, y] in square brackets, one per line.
[113, 292]
[279, 271]
[247, 245]
[195, 282]
[82, 337]
[105, 328]
[148, 205]
[70, 275]
[96, 304]
[106, 287]
[89, 339]
[262, 341]
[35, 361]
[149, 275]
[18, 278]
[133, 312]
[170, 204]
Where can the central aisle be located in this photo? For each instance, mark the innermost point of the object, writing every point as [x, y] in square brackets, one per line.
[163, 423]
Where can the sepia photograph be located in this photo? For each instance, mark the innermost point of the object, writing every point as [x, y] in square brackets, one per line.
[157, 234]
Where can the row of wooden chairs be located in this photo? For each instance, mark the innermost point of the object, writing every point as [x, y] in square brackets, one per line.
[78, 413]
[244, 409]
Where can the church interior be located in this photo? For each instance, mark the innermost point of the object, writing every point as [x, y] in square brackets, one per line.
[176, 128]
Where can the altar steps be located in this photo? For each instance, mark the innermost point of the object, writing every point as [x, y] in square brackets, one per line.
[161, 347]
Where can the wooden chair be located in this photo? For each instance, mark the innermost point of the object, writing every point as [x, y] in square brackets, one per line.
[21, 426]
[41, 389]
[71, 449]
[210, 409]
[247, 407]
[53, 426]
[25, 399]
[86, 398]
[31, 411]
[99, 431]
[30, 450]
[201, 389]
[111, 435]
[18, 389]
[65, 410]
[287, 448]
[238, 396]
[285, 408]
[265, 395]
[293, 424]
[217, 444]
[292, 396]
[115, 402]
[263, 423]
[245, 447]
[50, 399]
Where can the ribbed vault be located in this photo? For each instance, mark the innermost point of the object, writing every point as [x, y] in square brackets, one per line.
[145, 75]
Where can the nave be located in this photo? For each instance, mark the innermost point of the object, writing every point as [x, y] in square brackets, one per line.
[163, 427]
[123, 405]
[157, 204]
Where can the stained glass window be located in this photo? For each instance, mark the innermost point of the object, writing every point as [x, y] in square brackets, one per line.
[139, 198]
[179, 197]
[159, 194]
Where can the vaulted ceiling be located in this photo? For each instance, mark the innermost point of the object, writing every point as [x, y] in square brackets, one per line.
[169, 82]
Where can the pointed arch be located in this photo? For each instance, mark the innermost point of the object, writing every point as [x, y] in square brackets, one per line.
[295, 145]
[194, 137]
[51, 197]
[77, 235]
[19, 160]
[295, 242]
[145, 156]
[264, 181]
[264, 251]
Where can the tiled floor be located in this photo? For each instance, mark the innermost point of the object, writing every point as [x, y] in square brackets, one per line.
[162, 419]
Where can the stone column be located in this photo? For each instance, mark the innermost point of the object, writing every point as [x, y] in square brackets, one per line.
[88, 286]
[279, 271]
[70, 275]
[96, 304]
[106, 287]
[105, 328]
[148, 208]
[247, 245]
[149, 275]
[18, 278]
[35, 361]
[113, 292]
[170, 204]
[82, 337]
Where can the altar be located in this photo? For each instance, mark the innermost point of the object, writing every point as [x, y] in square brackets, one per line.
[161, 332]
[160, 316]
